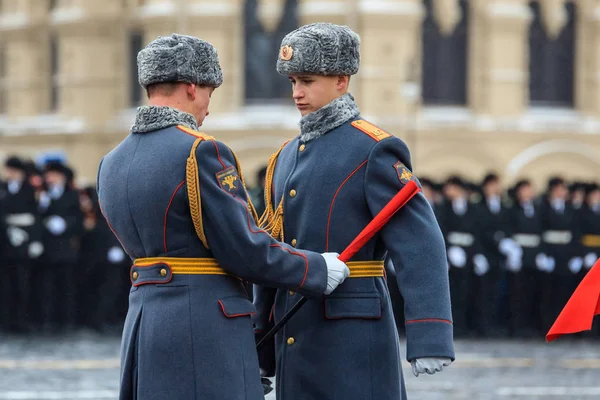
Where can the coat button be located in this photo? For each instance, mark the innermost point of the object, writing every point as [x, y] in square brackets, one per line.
[294, 242]
[135, 276]
[302, 147]
[163, 272]
[292, 292]
[290, 341]
[292, 193]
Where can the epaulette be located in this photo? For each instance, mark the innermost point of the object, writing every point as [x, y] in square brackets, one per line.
[370, 129]
[197, 134]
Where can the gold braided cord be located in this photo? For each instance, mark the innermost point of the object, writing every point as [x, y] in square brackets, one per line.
[272, 219]
[193, 188]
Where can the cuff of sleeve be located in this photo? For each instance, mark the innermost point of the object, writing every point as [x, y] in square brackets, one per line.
[429, 338]
[314, 281]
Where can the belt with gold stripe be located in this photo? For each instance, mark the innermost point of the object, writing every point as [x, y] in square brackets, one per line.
[590, 240]
[158, 270]
[366, 269]
[161, 269]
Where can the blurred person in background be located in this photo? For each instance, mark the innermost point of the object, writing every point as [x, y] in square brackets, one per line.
[589, 223]
[23, 244]
[258, 192]
[491, 222]
[526, 274]
[562, 249]
[63, 224]
[102, 263]
[577, 194]
[457, 218]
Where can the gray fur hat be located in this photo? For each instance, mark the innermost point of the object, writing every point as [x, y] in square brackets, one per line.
[320, 48]
[179, 58]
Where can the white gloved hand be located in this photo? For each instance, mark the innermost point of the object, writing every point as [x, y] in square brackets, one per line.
[514, 264]
[337, 271]
[550, 264]
[115, 255]
[541, 262]
[575, 264]
[457, 256]
[431, 365]
[56, 225]
[510, 248]
[16, 236]
[35, 250]
[481, 264]
[590, 259]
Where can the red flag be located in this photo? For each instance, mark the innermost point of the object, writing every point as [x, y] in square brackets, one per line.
[579, 312]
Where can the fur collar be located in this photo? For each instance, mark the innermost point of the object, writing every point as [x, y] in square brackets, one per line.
[334, 114]
[153, 118]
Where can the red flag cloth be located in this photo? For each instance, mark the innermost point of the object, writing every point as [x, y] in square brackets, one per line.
[400, 199]
[579, 312]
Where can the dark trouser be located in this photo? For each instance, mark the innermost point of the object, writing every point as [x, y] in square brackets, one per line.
[484, 303]
[14, 295]
[523, 312]
[554, 292]
[460, 296]
[59, 289]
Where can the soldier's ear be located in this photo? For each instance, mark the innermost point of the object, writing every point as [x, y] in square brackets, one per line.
[191, 91]
[343, 82]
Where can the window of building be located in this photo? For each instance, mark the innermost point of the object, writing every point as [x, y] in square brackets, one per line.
[262, 82]
[2, 80]
[444, 62]
[54, 73]
[551, 60]
[136, 43]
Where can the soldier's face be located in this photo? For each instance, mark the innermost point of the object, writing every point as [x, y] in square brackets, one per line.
[526, 193]
[594, 198]
[14, 174]
[54, 178]
[312, 92]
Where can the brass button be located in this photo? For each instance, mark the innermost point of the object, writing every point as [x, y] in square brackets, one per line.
[292, 193]
[290, 341]
[135, 275]
[163, 272]
[294, 242]
[302, 147]
[292, 292]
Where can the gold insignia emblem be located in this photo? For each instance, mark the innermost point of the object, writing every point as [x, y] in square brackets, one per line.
[404, 173]
[228, 179]
[286, 53]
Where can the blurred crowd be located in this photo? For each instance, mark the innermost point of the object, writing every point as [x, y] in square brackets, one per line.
[515, 255]
[62, 268]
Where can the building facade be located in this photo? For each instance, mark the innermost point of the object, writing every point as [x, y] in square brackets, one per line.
[471, 86]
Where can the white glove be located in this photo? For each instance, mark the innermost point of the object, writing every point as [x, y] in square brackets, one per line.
[16, 236]
[115, 255]
[431, 365]
[337, 271]
[541, 262]
[550, 264]
[481, 264]
[575, 264]
[514, 264]
[457, 256]
[35, 250]
[510, 248]
[56, 225]
[590, 259]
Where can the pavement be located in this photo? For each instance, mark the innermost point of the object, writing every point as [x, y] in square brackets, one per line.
[85, 365]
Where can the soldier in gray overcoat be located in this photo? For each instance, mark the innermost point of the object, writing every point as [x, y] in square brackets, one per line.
[322, 188]
[175, 198]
